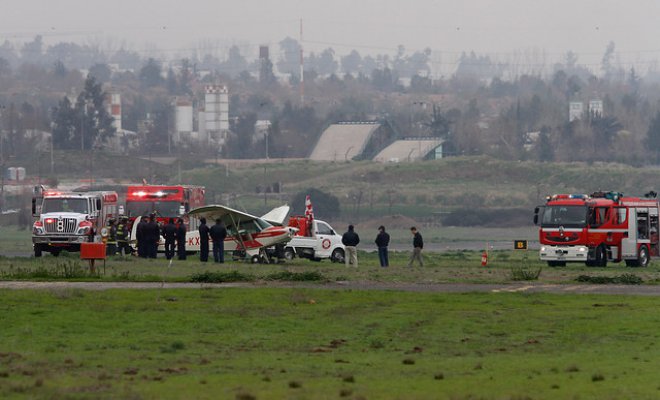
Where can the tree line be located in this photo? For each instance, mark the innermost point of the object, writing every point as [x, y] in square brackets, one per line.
[477, 109]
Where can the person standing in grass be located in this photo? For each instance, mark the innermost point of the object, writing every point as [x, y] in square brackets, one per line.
[218, 234]
[418, 245]
[350, 239]
[382, 241]
[169, 233]
[141, 237]
[181, 239]
[203, 240]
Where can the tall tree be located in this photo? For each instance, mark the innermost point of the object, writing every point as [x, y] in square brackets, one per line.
[87, 123]
[653, 137]
[351, 63]
[290, 60]
[150, 74]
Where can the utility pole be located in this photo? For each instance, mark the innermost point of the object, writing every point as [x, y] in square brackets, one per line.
[302, 73]
[82, 127]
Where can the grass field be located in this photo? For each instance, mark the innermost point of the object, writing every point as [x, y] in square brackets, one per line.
[319, 344]
[446, 267]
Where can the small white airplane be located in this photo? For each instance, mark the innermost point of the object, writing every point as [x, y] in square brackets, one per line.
[252, 235]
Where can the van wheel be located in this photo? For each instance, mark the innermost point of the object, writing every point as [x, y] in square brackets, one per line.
[337, 256]
[255, 259]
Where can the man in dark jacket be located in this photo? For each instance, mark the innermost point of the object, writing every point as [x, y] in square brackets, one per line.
[153, 236]
[181, 239]
[350, 240]
[203, 240]
[418, 245]
[382, 241]
[169, 233]
[218, 233]
[141, 237]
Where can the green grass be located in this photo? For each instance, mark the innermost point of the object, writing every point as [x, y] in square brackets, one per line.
[321, 344]
[448, 267]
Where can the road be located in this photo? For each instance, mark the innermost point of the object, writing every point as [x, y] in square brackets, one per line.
[636, 290]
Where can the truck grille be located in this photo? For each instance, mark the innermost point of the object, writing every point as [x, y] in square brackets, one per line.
[61, 225]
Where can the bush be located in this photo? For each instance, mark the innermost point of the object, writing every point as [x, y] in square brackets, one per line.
[525, 274]
[220, 277]
[313, 276]
[325, 204]
[624, 279]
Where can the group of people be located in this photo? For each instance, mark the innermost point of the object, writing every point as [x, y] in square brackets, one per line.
[148, 234]
[115, 237]
[217, 234]
[351, 239]
[175, 238]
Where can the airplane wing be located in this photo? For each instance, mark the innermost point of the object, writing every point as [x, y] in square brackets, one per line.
[277, 215]
[229, 216]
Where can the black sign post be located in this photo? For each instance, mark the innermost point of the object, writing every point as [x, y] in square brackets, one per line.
[520, 245]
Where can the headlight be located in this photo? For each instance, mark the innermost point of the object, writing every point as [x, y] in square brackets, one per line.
[582, 249]
[38, 228]
[542, 248]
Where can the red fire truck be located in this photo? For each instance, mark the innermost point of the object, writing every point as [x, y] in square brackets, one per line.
[597, 228]
[165, 201]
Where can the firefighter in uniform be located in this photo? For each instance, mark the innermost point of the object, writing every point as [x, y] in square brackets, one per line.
[111, 241]
[122, 237]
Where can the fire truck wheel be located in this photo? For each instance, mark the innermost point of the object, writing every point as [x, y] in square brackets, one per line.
[289, 254]
[643, 256]
[556, 263]
[601, 257]
[37, 250]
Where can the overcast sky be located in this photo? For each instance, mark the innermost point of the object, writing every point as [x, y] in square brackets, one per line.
[371, 26]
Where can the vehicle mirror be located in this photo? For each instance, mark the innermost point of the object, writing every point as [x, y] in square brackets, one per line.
[121, 210]
[182, 210]
[34, 207]
[536, 219]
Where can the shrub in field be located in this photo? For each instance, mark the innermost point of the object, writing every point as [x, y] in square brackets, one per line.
[313, 276]
[65, 269]
[219, 277]
[524, 273]
[623, 279]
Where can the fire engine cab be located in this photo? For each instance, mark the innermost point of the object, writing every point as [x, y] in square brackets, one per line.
[66, 219]
[597, 228]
